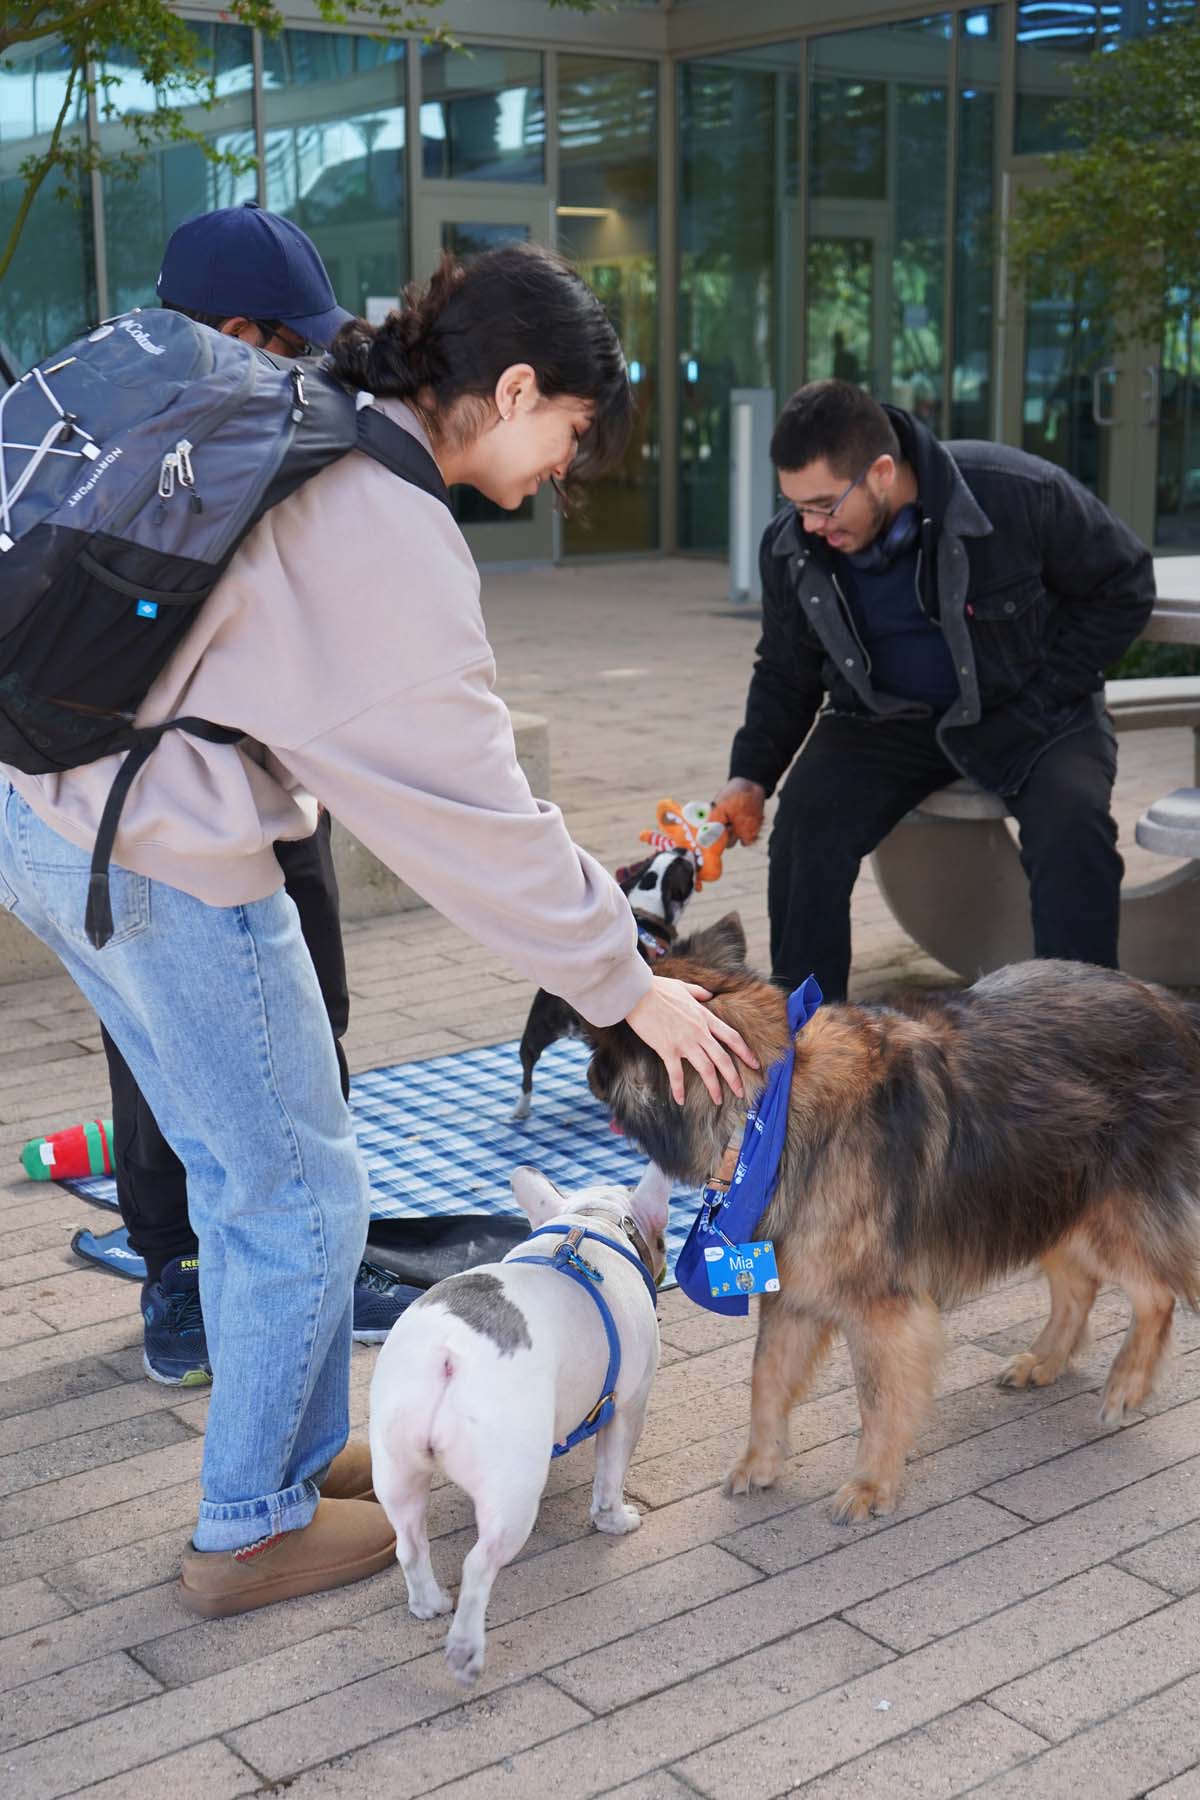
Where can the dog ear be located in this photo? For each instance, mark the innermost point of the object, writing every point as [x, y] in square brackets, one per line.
[536, 1195]
[722, 946]
[628, 877]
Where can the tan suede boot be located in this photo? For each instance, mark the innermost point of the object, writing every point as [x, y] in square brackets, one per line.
[346, 1540]
[349, 1476]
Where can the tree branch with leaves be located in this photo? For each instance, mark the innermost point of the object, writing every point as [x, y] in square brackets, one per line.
[1123, 213]
[168, 55]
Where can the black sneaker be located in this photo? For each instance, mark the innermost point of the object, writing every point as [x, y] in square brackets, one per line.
[175, 1349]
[378, 1302]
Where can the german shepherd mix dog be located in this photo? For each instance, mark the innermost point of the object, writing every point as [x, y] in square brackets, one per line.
[1050, 1112]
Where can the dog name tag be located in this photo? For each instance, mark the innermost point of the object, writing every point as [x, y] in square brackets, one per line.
[741, 1269]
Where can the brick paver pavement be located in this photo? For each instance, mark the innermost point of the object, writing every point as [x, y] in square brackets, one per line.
[1028, 1623]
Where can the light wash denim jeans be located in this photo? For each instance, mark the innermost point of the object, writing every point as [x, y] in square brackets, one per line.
[217, 1011]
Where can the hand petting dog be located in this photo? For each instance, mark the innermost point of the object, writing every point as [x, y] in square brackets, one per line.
[670, 1018]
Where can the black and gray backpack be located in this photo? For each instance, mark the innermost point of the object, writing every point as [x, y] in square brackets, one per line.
[132, 464]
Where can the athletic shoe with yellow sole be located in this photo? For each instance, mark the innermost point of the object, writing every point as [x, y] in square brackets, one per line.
[174, 1348]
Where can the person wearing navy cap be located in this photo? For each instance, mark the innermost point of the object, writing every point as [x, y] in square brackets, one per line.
[257, 277]
[254, 275]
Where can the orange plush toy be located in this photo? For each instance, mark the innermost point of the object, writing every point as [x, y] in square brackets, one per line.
[693, 830]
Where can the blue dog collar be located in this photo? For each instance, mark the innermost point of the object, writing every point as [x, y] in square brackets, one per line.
[568, 1261]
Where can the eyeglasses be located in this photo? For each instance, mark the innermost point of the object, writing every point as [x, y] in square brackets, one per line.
[274, 332]
[828, 512]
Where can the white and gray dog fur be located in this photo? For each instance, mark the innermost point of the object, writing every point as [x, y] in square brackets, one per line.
[490, 1369]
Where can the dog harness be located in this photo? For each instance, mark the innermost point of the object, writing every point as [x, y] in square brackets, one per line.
[738, 1194]
[568, 1261]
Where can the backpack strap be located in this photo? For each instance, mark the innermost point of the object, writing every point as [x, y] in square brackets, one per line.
[384, 442]
[387, 443]
[98, 921]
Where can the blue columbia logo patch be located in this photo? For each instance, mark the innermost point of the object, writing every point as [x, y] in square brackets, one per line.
[147, 609]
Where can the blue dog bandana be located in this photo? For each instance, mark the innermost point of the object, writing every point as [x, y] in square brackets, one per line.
[730, 1218]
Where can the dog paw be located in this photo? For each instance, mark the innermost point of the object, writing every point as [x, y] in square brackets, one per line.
[1026, 1371]
[465, 1660]
[430, 1604]
[752, 1473]
[857, 1500]
[617, 1521]
[1122, 1398]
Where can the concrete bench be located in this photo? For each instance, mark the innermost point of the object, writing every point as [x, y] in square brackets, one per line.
[368, 888]
[951, 871]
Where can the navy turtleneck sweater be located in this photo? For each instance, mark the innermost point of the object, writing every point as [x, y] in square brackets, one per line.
[908, 655]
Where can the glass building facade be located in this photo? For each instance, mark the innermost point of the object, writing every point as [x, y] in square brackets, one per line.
[760, 197]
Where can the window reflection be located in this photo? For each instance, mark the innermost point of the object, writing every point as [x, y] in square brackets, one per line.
[336, 157]
[1067, 338]
[877, 211]
[483, 115]
[172, 183]
[734, 175]
[47, 296]
[1052, 36]
[975, 222]
[1178, 498]
[608, 227]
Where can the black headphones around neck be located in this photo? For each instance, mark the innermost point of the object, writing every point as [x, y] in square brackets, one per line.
[899, 536]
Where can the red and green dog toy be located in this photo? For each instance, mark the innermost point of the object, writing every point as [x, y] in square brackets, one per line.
[79, 1150]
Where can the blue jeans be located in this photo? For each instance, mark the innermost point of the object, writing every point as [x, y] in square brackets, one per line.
[217, 1011]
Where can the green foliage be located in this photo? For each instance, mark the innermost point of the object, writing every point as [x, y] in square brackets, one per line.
[1124, 212]
[169, 57]
[1157, 659]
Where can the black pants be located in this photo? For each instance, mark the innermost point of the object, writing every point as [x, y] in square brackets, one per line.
[856, 778]
[151, 1180]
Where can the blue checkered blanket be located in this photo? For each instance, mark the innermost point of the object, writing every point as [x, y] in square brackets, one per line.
[439, 1137]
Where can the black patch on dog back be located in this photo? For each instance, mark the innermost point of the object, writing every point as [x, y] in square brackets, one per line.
[479, 1301]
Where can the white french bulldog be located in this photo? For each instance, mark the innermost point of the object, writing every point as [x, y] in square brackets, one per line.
[491, 1369]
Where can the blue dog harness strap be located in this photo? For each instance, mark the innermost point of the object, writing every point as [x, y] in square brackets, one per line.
[730, 1212]
[568, 1261]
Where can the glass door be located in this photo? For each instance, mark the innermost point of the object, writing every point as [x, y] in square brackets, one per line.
[1176, 396]
[1074, 395]
[468, 220]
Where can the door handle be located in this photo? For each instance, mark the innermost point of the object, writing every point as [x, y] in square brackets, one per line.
[1098, 413]
[1151, 394]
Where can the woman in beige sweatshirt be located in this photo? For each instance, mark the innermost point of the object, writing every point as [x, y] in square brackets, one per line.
[347, 643]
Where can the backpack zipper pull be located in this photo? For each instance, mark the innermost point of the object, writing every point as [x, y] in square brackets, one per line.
[298, 401]
[187, 475]
[166, 474]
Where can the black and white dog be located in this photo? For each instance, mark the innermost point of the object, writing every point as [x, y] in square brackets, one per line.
[658, 890]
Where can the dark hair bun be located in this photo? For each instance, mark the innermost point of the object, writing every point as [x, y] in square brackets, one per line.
[456, 334]
[401, 356]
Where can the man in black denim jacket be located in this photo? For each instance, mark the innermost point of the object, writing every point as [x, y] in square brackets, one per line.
[937, 610]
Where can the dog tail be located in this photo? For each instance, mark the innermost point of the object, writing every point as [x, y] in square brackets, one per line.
[410, 1404]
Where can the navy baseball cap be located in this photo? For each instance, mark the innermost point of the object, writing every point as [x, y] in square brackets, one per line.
[242, 261]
